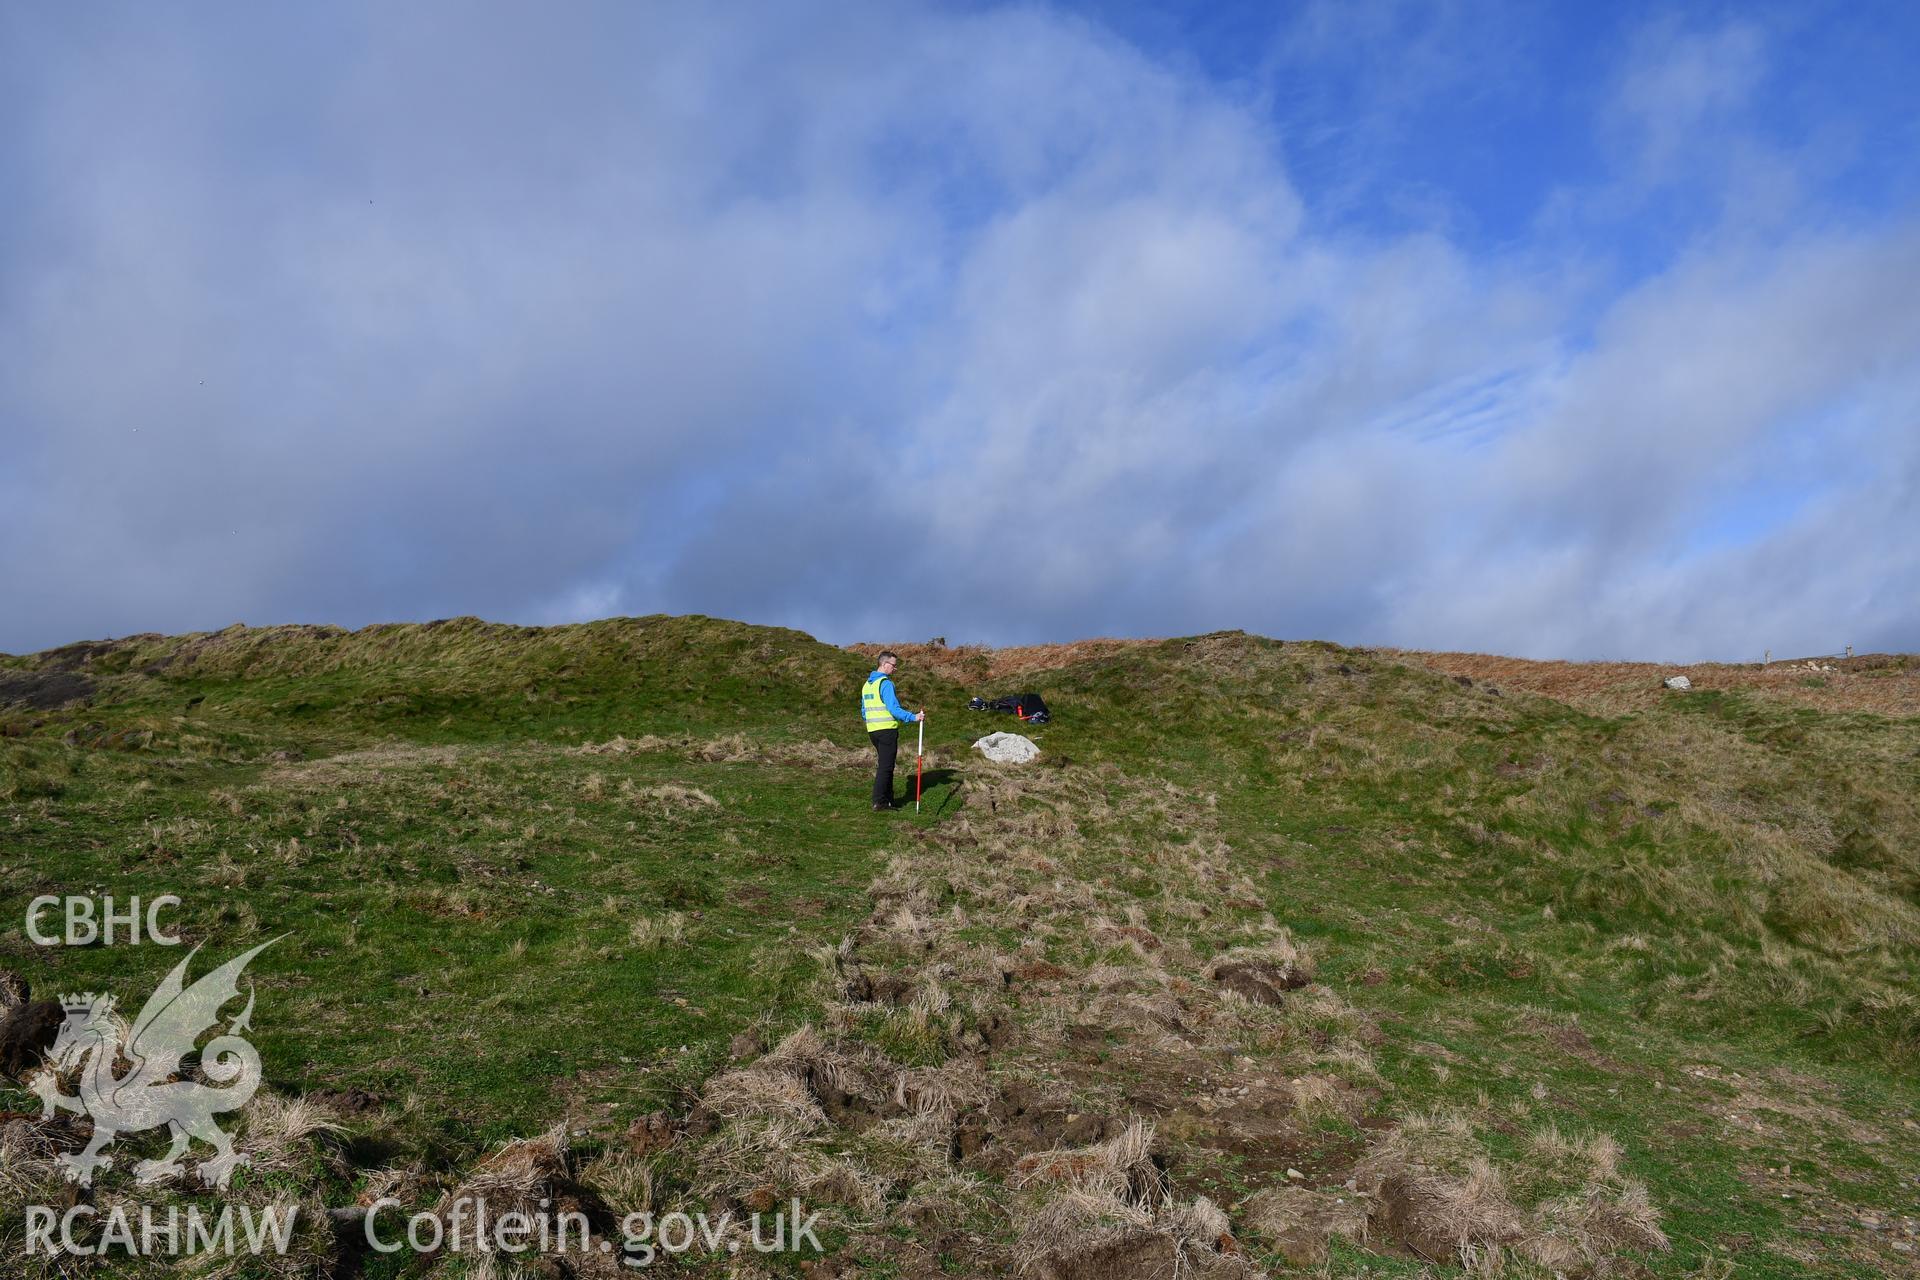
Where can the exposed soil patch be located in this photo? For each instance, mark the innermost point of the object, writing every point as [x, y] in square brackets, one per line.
[879, 988]
[1129, 1255]
[652, 1132]
[1886, 1241]
[1025, 1119]
[44, 690]
[73, 657]
[348, 1102]
[1037, 971]
[28, 1027]
[1261, 981]
[1571, 1040]
[1299, 1222]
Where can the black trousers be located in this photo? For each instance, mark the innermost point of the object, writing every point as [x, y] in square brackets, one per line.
[887, 743]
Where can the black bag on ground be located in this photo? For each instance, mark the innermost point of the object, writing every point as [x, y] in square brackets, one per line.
[1028, 706]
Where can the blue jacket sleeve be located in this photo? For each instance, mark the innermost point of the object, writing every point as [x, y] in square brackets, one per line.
[892, 700]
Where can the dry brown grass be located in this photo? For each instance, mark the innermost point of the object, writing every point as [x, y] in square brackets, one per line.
[669, 796]
[651, 932]
[1887, 684]
[970, 664]
[28, 1174]
[734, 748]
[283, 1137]
[517, 1176]
[837, 1120]
[1564, 1205]
[1299, 1222]
[283, 1133]
[312, 1253]
[1088, 1235]
[329, 774]
[1122, 1168]
[1743, 822]
[1279, 960]
[528, 1176]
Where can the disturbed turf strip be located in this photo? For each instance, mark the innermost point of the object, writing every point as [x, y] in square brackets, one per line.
[1034, 1067]
[1017, 1062]
[1543, 983]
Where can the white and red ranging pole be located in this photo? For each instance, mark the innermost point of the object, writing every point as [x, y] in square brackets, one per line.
[919, 754]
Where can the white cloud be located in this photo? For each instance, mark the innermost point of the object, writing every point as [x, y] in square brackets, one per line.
[982, 324]
[1679, 86]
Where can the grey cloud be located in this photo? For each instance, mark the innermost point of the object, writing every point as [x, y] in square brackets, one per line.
[920, 322]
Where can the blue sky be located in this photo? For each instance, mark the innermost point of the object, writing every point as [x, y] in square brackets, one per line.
[1559, 330]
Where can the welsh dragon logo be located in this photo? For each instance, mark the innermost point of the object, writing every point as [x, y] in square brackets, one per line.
[149, 1092]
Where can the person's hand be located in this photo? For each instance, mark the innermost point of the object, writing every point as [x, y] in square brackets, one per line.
[919, 716]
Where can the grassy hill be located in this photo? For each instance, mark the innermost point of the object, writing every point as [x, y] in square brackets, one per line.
[1282, 957]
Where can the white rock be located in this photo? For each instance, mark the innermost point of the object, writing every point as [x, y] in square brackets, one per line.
[1007, 748]
[1678, 682]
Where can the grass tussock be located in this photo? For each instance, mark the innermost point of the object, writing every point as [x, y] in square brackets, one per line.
[1562, 1202]
[653, 932]
[668, 796]
[286, 1134]
[1109, 1207]
[1357, 900]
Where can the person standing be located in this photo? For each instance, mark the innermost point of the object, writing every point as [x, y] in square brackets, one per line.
[883, 715]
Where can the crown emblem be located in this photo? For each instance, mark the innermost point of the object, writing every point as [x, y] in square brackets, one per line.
[130, 1074]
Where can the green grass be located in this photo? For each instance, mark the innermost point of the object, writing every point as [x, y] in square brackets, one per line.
[1718, 885]
[482, 901]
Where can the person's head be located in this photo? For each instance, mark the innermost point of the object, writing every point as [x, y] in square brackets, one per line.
[888, 661]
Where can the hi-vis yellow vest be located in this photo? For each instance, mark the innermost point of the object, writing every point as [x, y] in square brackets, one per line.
[874, 708]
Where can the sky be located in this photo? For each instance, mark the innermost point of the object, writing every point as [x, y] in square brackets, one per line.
[1577, 331]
